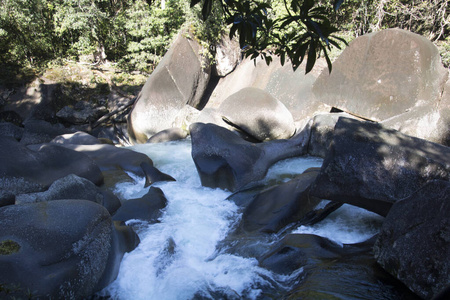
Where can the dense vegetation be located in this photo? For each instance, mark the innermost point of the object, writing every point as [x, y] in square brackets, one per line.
[136, 33]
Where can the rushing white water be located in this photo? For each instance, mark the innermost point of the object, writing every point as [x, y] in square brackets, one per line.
[177, 257]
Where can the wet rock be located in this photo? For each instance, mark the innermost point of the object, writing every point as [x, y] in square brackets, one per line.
[317, 268]
[153, 175]
[258, 114]
[372, 167]
[148, 208]
[226, 161]
[278, 206]
[414, 242]
[61, 248]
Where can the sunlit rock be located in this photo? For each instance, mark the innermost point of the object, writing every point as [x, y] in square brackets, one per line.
[179, 80]
[259, 114]
[383, 74]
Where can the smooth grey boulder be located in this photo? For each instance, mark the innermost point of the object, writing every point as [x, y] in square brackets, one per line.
[372, 167]
[258, 114]
[226, 161]
[25, 171]
[147, 208]
[73, 187]
[178, 81]
[57, 249]
[276, 207]
[78, 138]
[383, 74]
[167, 135]
[414, 242]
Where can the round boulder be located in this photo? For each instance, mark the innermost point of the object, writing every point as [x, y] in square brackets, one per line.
[259, 114]
[56, 249]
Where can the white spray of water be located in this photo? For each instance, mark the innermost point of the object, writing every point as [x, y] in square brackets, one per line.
[177, 257]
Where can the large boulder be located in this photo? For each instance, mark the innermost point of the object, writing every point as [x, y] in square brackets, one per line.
[258, 114]
[24, 171]
[228, 56]
[430, 122]
[179, 80]
[372, 167]
[382, 74]
[414, 242]
[292, 88]
[57, 249]
[225, 160]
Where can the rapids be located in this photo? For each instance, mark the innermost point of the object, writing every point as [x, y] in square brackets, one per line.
[180, 257]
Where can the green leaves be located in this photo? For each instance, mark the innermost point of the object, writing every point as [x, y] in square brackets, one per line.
[303, 31]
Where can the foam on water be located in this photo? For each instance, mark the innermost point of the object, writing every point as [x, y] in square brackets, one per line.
[347, 225]
[177, 257]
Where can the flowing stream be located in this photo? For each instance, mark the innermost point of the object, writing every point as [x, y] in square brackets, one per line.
[178, 258]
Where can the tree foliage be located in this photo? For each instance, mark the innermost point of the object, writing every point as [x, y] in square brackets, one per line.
[137, 33]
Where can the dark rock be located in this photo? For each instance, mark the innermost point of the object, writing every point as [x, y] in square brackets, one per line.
[73, 187]
[226, 161]
[153, 175]
[81, 113]
[11, 130]
[25, 171]
[110, 158]
[322, 133]
[148, 208]
[372, 167]
[171, 134]
[123, 240]
[61, 247]
[259, 114]
[39, 132]
[317, 268]
[278, 206]
[414, 242]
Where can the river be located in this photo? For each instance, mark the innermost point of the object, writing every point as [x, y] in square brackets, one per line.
[182, 256]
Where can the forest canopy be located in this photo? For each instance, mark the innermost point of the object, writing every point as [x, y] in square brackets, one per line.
[136, 33]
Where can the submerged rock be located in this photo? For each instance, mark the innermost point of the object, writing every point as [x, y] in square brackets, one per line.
[414, 242]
